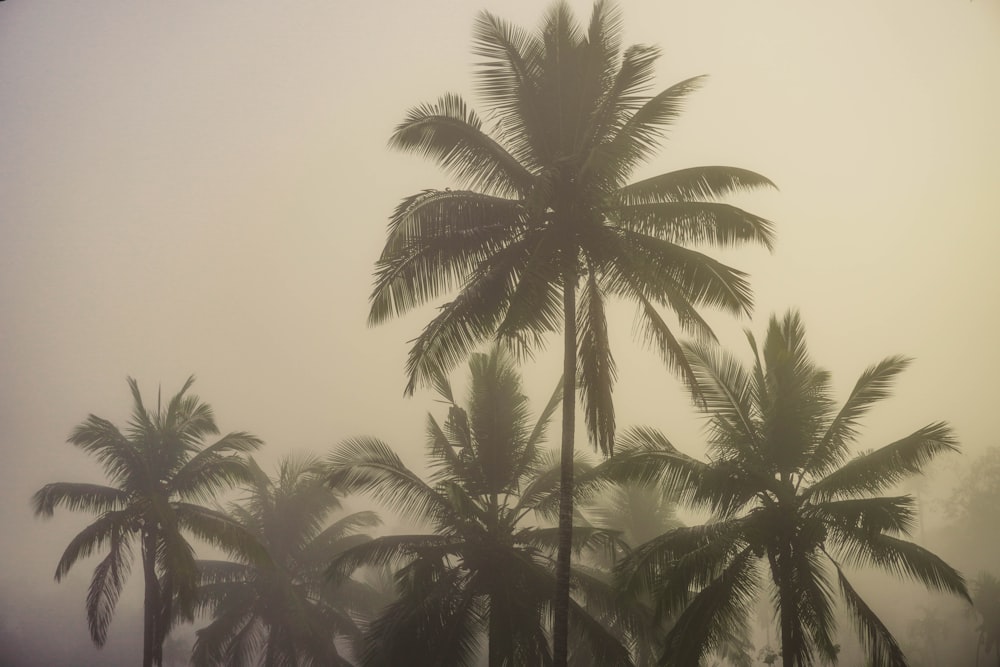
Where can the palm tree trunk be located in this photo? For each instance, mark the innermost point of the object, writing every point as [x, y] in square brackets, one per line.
[786, 606]
[560, 630]
[495, 654]
[151, 602]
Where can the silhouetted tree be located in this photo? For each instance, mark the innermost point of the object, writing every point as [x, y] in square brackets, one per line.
[781, 488]
[545, 210]
[159, 469]
[484, 567]
[282, 610]
[986, 600]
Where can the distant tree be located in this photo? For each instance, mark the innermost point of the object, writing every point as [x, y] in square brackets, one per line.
[781, 489]
[159, 469]
[545, 226]
[976, 499]
[283, 610]
[484, 567]
[986, 601]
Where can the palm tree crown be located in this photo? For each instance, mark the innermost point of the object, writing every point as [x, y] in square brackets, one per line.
[159, 470]
[545, 207]
[783, 491]
[484, 566]
[282, 610]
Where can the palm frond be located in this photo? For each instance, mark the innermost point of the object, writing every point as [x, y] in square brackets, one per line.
[120, 459]
[596, 366]
[436, 240]
[108, 527]
[893, 515]
[451, 134]
[881, 469]
[107, 584]
[76, 496]
[220, 530]
[640, 134]
[692, 184]
[722, 225]
[507, 80]
[882, 648]
[215, 468]
[874, 385]
[725, 393]
[437, 621]
[467, 321]
[387, 551]
[716, 612]
[368, 465]
[898, 557]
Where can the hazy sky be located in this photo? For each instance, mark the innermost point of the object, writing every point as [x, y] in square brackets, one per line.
[204, 187]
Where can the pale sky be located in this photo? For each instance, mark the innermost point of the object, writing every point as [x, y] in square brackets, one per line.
[204, 187]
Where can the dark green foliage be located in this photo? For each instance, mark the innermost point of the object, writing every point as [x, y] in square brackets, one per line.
[159, 469]
[485, 569]
[544, 208]
[784, 492]
[281, 609]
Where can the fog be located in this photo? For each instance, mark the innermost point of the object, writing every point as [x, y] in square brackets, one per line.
[204, 188]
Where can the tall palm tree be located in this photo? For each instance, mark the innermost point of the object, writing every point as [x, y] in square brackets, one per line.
[283, 610]
[484, 567]
[159, 469]
[783, 491]
[545, 225]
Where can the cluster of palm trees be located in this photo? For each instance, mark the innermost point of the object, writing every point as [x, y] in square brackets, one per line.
[521, 561]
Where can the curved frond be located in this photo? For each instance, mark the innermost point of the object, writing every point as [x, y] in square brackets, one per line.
[368, 465]
[692, 184]
[882, 648]
[881, 469]
[716, 612]
[78, 497]
[108, 527]
[640, 134]
[874, 385]
[120, 459]
[107, 584]
[215, 468]
[596, 366]
[898, 557]
[436, 240]
[451, 134]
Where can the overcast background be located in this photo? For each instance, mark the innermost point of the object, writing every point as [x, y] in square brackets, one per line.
[203, 187]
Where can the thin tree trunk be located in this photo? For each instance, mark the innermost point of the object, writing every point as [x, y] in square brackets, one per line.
[560, 630]
[495, 655]
[151, 602]
[786, 607]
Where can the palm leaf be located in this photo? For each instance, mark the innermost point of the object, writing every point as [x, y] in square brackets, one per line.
[882, 648]
[874, 385]
[881, 469]
[451, 134]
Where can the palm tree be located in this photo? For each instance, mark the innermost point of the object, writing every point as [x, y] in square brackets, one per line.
[282, 610]
[545, 225]
[159, 470]
[483, 566]
[986, 600]
[782, 491]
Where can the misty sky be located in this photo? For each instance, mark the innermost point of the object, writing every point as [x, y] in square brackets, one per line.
[204, 187]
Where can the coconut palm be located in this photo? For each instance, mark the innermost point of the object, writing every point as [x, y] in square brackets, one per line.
[782, 491]
[544, 225]
[282, 610]
[483, 567]
[641, 512]
[159, 469]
